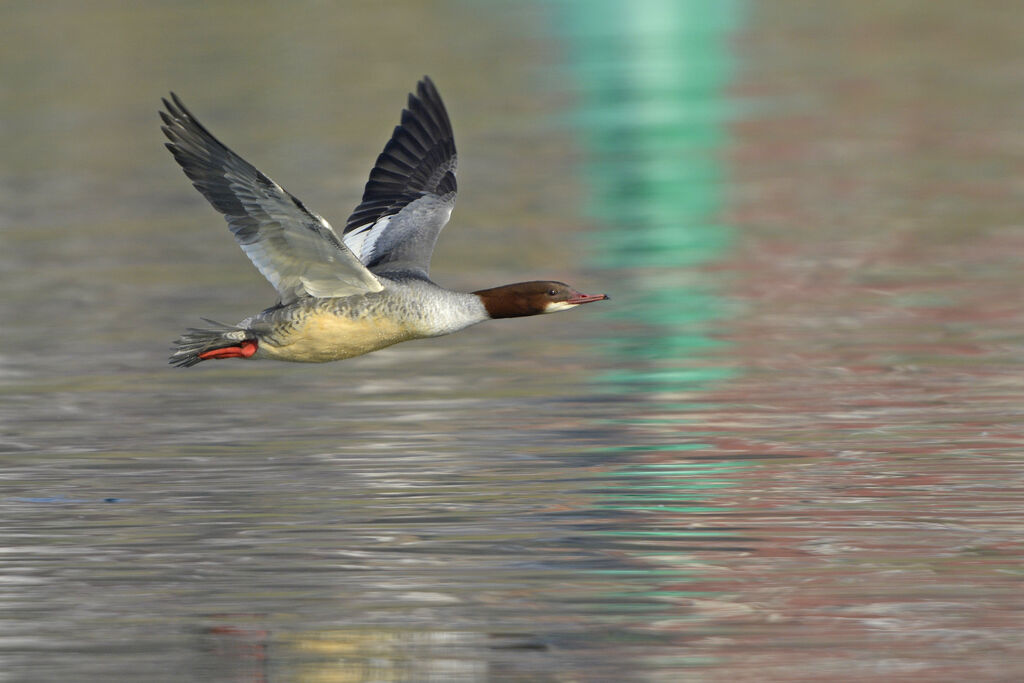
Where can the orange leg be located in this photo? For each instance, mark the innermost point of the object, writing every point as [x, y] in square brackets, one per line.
[243, 350]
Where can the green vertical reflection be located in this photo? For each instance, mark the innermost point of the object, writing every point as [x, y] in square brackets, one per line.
[652, 118]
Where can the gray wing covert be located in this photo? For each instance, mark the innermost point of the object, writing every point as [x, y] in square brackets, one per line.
[294, 248]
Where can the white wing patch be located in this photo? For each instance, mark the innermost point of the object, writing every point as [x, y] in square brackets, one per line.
[363, 241]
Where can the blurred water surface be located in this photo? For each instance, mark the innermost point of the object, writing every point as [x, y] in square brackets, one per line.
[788, 448]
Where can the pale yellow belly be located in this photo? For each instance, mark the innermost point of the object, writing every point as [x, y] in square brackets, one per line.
[323, 337]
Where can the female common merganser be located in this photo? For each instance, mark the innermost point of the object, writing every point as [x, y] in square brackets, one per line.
[340, 298]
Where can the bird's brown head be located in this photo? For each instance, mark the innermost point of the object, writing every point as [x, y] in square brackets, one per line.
[533, 298]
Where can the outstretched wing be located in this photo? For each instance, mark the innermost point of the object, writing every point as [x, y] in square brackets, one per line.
[294, 248]
[411, 191]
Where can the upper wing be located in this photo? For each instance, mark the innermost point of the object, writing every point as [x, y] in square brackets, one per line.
[411, 191]
[295, 249]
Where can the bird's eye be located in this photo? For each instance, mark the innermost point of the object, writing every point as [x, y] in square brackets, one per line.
[552, 292]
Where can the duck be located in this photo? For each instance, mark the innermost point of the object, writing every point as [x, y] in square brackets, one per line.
[341, 295]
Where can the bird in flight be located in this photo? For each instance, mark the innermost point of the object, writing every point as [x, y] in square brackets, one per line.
[344, 295]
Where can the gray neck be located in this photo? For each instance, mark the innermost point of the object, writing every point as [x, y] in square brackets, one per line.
[441, 310]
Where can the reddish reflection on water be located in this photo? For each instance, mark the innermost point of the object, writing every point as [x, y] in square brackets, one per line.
[878, 532]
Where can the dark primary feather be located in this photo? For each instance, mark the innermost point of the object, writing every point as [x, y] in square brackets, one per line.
[412, 185]
[294, 248]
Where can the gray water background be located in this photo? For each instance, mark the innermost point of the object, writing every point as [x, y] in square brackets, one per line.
[790, 448]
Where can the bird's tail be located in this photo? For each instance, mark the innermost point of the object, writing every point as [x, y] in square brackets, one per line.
[218, 341]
